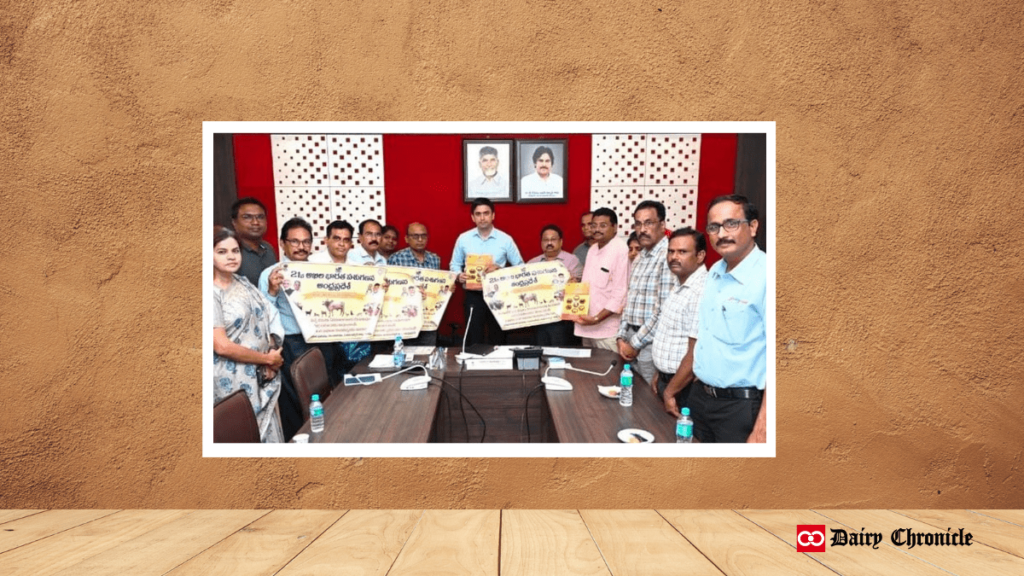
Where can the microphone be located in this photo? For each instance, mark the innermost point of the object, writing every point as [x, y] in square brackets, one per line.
[464, 355]
[605, 373]
[414, 383]
[561, 384]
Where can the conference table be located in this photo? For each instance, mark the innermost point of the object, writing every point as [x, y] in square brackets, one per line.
[513, 405]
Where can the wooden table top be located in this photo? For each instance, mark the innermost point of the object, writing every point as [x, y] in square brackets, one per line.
[381, 412]
[584, 415]
[492, 542]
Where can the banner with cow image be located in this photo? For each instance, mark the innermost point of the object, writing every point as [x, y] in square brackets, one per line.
[402, 312]
[437, 291]
[335, 302]
[528, 295]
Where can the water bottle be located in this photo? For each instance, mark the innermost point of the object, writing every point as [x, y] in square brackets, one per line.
[316, 414]
[684, 428]
[398, 356]
[626, 387]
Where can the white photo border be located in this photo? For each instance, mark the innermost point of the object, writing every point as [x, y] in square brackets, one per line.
[386, 450]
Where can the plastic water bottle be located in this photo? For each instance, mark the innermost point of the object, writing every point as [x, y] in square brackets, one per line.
[626, 387]
[399, 354]
[316, 414]
[684, 428]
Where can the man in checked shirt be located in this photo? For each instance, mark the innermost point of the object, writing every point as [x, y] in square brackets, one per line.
[649, 285]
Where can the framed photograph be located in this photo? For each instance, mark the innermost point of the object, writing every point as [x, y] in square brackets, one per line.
[487, 170]
[542, 172]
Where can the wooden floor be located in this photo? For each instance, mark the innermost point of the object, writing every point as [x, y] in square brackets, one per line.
[491, 542]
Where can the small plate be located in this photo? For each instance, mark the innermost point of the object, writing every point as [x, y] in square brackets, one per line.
[609, 391]
[634, 435]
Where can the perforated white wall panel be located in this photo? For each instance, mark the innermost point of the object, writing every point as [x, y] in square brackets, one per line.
[619, 160]
[358, 204]
[300, 159]
[327, 177]
[630, 168]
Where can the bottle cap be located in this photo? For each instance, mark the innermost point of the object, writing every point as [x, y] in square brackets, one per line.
[398, 338]
[316, 397]
[625, 366]
[686, 411]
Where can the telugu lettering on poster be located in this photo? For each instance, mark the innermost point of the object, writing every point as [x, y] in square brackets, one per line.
[402, 312]
[522, 296]
[438, 286]
[334, 302]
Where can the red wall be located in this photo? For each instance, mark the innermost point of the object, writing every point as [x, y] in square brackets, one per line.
[423, 179]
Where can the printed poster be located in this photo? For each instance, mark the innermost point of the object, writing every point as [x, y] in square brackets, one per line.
[438, 286]
[522, 296]
[476, 264]
[575, 300]
[402, 312]
[334, 302]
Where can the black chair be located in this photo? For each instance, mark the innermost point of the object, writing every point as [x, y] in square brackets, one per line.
[234, 420]
[309, 376]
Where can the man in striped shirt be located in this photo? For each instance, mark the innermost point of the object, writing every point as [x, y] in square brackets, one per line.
[649, 285]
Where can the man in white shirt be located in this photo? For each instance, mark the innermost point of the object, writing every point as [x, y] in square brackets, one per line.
[491, 184]
[543, 183]
[338, 244]
[366, 254]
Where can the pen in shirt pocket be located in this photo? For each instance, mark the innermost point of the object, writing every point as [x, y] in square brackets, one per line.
[605, 270]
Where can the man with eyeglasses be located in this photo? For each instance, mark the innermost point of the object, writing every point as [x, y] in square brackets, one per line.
[606, 271]
[730, 359]
[557, 333]
[367, 254]
[249, 219]
[296, 242]
[417, 256]
[338, 244]
[650, 284]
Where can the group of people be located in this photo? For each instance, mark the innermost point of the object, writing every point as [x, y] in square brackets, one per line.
[697, 335]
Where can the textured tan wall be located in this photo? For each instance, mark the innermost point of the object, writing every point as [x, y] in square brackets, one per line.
[900, 284]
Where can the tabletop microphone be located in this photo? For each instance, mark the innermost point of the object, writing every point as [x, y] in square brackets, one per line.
[464, 355]
[605, 373]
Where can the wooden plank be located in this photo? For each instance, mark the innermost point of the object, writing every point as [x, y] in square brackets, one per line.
[845, 560]
[264, 546]
[538, 542]
[958, 559]
[1012, 516]
[738, 546]
[452, 542]
[363, 542]
[53, 554]
[641, 542]
[165, 548]
[9, 515]
[31, 528]
[990, 531]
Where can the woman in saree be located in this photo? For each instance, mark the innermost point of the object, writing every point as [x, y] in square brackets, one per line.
[247, 336]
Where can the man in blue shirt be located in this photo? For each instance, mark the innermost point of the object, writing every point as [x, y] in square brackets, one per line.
[417, 256]
[730, 359]
[484, 239]
[367, 253]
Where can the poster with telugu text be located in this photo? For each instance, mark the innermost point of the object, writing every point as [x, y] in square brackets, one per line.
[437, 286]
[334, 302]
[522, 296]
[402, 311]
